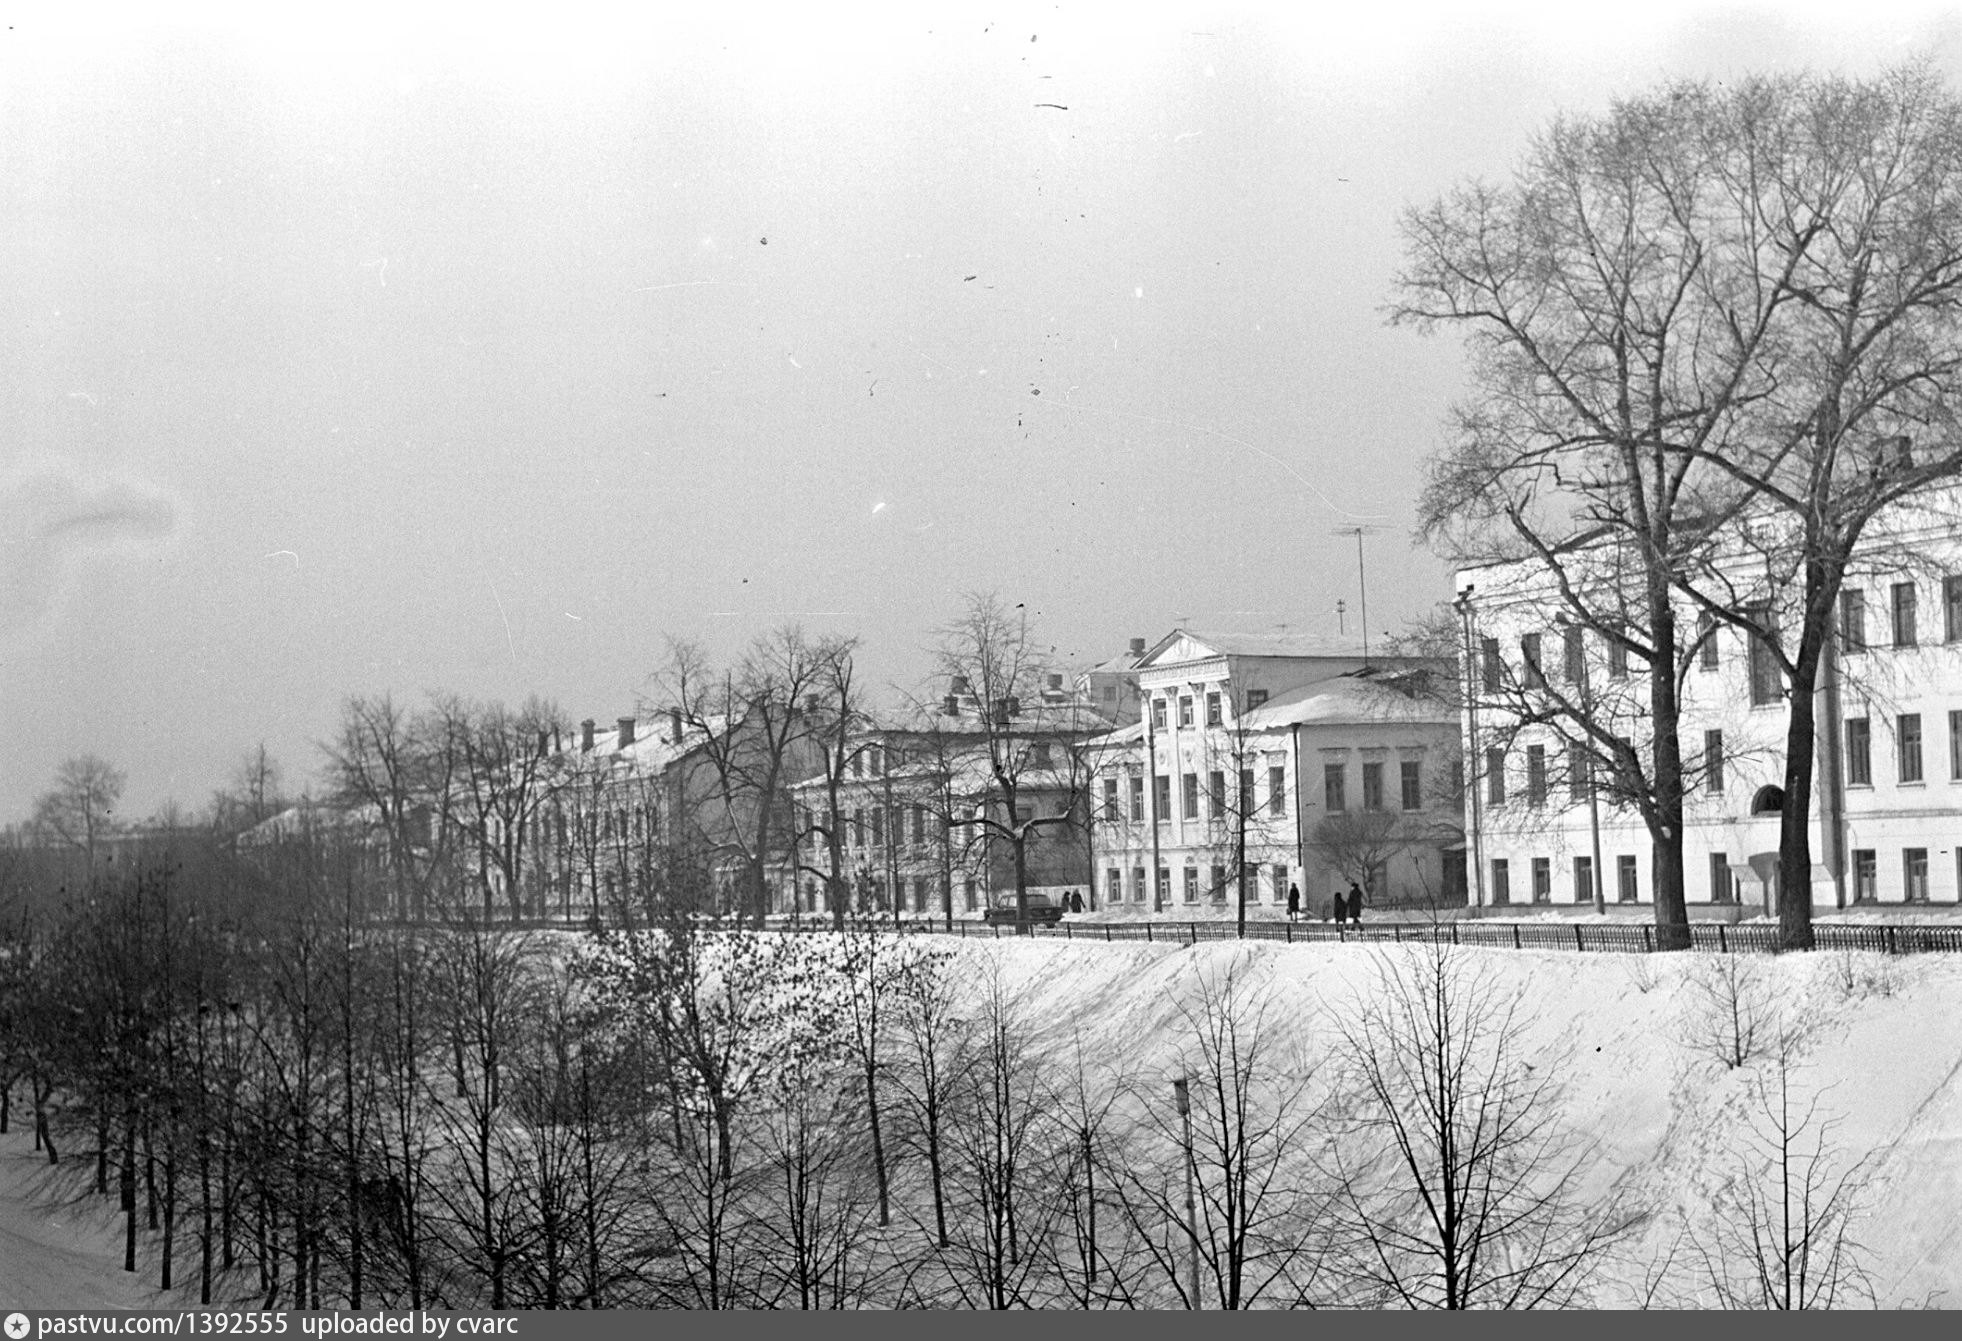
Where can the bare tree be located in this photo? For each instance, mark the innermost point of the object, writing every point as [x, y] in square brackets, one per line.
[403, 771]
[992, 649]
[1457, 1185]
[1219, 1184]
[1780, 1233]
[754, 728]
[79, 810]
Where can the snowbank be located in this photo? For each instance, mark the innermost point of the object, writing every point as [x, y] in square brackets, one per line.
[1881, 1047]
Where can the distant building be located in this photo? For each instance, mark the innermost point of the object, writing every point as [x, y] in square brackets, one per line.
[1286, 761]
[922, 800]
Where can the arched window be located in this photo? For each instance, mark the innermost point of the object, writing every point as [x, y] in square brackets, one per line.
[1769, 800]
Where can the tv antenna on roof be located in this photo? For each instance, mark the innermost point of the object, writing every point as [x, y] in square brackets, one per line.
[1362, 577]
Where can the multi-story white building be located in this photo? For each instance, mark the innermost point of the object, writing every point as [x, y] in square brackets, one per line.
[1887, 805]
[1283, 761]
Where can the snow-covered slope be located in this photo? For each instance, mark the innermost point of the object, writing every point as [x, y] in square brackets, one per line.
[1631, 1038]
[56, 1251]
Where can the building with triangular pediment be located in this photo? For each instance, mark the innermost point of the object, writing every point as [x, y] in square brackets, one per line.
[1277, 763]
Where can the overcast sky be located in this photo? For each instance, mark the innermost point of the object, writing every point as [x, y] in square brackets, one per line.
[407, 353]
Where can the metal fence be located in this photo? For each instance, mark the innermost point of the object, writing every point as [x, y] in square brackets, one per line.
[1613, 937]
[1625, 938]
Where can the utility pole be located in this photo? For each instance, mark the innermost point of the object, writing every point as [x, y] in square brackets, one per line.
[1464, 607]
[1180, 1092]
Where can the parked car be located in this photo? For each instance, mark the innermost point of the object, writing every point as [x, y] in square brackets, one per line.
[1044, 911]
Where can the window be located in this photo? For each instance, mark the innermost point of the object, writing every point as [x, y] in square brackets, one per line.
[1495, 777]
[1377, 882]
[1137, 796]
[1163, 813]
[1859, 752]
[858, 765]
[1189, 795]
[1246, 793]
[919, 824]
[1501, 881]
[1955, 746]
[1574, 654]
[1277, 791]
[1212, 710]
[877, 762]
[1110, 799]
[1158, 713]
[1952, 609]
[1766, 679]
[858, 828]
[1914, 873]
[1617, 659]
[1454, 874]
[1372, 786]
[878, 826]
[1216, 792]
[1185, 710]
[1583, 879]
[1256, 697]
[1713, 761]
[1137, 884]
[1904, 614]
[1723, 884]
[1706, 640]
[1413, 784]
[1580, 772]
[1866, 875]
[1280, 884]
[1113, 886]
[1164, 884]
[1192, 884]
[1626, 888]
[1334, 787]
[1536, 775]
[1529, 660]
[1907, 738]
[1542, 880]
[1041, 751]
[1489, 662]
[1219, 882]
[1852, 620]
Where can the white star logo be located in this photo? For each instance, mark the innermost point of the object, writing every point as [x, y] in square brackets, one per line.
[17, 1325]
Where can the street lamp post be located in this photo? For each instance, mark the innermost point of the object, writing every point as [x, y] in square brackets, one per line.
[1463, 605]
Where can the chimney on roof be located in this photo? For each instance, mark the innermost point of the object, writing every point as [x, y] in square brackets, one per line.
[952, 707]
[1055, 683]
[626, 732]
[586, 736]
[959, 685]
[674, 726]
[1137, 647]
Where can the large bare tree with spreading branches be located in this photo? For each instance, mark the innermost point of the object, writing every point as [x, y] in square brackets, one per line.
[1708, 303]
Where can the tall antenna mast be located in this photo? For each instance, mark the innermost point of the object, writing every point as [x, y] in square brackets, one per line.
[1362, 576]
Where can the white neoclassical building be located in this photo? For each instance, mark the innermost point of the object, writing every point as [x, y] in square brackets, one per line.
[1887, 804]
[1284, 761]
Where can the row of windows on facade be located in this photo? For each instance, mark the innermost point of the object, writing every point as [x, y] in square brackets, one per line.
[1215, 707]
[1221, 886]
[1723, 880]
[1335, 789]
[1765, 676]
[1907, 749]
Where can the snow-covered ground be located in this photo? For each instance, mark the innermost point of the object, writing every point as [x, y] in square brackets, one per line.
[59, 1249]
[1880, 1043]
